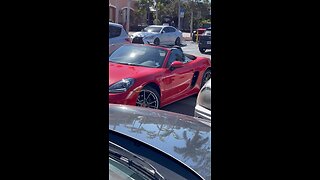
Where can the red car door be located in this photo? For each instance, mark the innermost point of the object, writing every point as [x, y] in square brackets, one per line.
[176, 83]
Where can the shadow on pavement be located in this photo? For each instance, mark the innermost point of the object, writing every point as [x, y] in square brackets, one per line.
[185, 106]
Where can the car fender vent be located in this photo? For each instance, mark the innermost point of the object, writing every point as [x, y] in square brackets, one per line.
[194, 79]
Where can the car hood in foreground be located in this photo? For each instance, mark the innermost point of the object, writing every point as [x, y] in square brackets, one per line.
[185, 138]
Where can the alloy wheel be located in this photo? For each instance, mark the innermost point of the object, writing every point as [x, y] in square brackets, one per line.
[147, 99]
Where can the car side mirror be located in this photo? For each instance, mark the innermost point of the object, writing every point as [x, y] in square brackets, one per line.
[162, 32]
[176, 64]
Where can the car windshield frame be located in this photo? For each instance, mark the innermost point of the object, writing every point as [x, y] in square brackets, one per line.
[139, 55]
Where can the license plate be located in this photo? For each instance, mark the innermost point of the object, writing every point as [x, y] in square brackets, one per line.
[208, 42]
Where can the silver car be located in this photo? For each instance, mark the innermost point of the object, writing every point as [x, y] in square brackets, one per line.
[158, 35]
[154, 144]
[117, 36]
[203, 106]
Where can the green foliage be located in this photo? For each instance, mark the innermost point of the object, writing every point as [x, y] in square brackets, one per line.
[143, 5]
[170, 8]
[156, 22]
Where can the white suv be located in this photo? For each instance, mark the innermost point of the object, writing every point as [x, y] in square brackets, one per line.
[117, 36]
[203, 106]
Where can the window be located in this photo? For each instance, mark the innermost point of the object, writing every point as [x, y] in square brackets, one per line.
[176, 55]
[166, 29]
[171, 29]
[114, 31]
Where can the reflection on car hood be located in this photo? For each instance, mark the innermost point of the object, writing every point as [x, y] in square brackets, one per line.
[120, 71]
[144, 34]
[186, 138]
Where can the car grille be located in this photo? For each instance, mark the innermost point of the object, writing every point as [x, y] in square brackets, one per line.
[137, 40]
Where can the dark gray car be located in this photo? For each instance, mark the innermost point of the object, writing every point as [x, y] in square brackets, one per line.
[205, 41]
[166, 145]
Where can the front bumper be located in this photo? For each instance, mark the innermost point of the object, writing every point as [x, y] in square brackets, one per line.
[202, 112]
[128, 98]
[142, 40]
[138, 40]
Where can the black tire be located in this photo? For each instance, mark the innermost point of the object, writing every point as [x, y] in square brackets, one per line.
[205, 77]
[202, 50]
[149, 98]
[178, 41]
[157, 41]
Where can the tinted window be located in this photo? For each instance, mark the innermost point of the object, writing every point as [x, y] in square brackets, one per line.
[114, 31]
[166, 29]
[176, 55]
[172, 29]
[152, 29]
[139, 56]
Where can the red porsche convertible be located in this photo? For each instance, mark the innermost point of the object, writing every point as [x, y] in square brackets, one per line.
[154, 76]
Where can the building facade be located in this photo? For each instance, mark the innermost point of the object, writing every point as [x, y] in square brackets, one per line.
[118, 10]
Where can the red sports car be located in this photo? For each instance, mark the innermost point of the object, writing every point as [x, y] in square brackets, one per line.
[154, 76]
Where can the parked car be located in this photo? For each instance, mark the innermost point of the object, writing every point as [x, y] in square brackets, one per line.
[205, 41]
[117, 36]
[154, 76]
[200, 31]
[203, 105]
[159, 35]
[155, 144]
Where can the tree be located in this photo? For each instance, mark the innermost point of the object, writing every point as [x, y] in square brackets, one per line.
[159, 8]
[199, 9]
[143, 8]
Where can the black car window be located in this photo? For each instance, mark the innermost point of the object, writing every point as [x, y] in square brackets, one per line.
[114, 31]
[172, 29]
[166, 29]
[176, 55]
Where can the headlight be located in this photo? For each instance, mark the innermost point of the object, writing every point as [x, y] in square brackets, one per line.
[121, 86]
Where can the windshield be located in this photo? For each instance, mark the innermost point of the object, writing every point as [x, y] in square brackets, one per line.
[137, 55]
[152, 29]
[120, 172]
